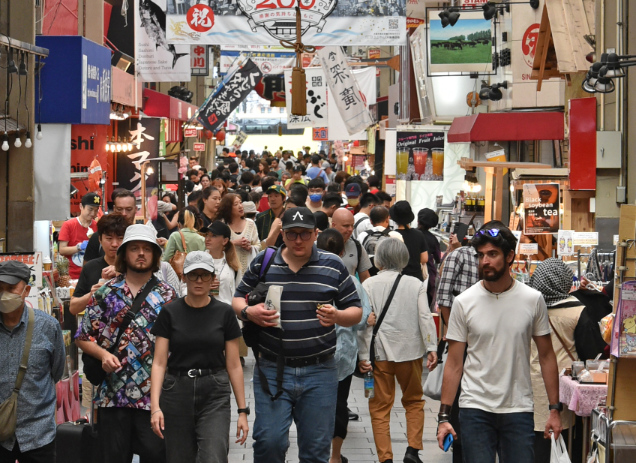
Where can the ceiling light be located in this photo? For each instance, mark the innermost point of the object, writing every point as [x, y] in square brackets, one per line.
[604, 85]
[39, 134]
[5, 142]
[28, 143]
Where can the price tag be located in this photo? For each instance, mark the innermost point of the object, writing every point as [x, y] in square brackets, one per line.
[517, 234]
[585, 238]
[628, 295]
[528, 249]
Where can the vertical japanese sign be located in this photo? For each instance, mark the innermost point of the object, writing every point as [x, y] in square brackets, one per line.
[541, 208]
[200, 60]
[157, 60]
[420, 156]
[146, 134]
[345, 89]
[316, 100]
[217, 108]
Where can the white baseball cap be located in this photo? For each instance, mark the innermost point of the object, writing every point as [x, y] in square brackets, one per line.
[140, 232]
[198, 259]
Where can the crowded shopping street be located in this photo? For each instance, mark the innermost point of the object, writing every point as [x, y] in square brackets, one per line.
[317, 231]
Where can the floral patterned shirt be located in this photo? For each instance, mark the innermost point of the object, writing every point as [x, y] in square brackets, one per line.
[129, 386]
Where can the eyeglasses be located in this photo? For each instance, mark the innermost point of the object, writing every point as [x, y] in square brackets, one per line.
[196, 276]
[494, 232]
[293, 236]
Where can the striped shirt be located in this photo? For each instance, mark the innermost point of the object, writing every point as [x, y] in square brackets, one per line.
[324, 279]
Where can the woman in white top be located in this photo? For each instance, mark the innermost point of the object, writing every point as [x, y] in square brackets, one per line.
[226, 263]
[405, 336]
[244, 234]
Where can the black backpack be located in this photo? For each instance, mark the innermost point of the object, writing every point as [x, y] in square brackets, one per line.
[370, 244]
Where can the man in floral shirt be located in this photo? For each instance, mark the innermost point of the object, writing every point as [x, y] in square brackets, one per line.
[124, 396]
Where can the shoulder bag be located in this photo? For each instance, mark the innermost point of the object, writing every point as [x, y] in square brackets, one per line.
[93, 370]
[567, 351]
[178, 258]
[9, 408]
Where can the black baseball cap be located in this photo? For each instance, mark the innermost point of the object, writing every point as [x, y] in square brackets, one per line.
[91, 199]
[217, 228]
[298, 217]
[12, 272]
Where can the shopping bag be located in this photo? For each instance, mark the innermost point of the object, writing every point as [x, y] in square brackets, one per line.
[559, 452]
[433, 385]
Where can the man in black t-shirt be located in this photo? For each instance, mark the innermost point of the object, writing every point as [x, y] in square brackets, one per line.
[414, 239]
[110, 231]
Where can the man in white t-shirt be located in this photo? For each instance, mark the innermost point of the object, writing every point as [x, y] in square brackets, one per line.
[361, 221]
[495, 321]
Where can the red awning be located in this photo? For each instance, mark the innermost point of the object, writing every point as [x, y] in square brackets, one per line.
[507, 127]
[160, 105]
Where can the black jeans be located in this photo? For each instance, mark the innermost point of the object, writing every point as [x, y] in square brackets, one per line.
[126, 431]
[342, 413]
[45, 454]
[196, 412]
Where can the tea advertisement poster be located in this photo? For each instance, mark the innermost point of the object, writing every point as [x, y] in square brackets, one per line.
[420, 156]
[541, 208]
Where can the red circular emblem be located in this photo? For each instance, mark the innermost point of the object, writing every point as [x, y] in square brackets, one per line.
[529, 43]
[200, 18]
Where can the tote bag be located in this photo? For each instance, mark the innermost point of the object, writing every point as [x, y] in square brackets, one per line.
[433, 385]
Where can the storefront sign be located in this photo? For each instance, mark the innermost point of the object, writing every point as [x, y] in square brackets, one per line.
[190, 132]
[345, 90]
[316, 100]
[420, 156]
[541, 208]
[565, 243]
[586, 238]
[76, 81]
[528, 249]
[320, 134]
[158, 60]
[373, 53]
[228, 96]
[270, 59]
[123, 88]
[327, 22]
[239, 140]
[146, 134]
[88, 143]
[198, 147]
[200, 60]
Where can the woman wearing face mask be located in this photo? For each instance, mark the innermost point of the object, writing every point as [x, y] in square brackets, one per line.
[316, 191]
[209, 205]
[353, 192]
[244, 234]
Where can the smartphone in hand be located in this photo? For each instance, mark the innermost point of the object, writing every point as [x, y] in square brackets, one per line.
[448, 441]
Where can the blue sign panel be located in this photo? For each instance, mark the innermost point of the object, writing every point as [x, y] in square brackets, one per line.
[75, 81]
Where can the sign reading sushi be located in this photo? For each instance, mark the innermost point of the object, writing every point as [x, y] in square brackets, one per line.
[158, 60]
[267, 22]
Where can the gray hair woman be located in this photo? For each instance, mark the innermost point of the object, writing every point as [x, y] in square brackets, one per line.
[406, 334]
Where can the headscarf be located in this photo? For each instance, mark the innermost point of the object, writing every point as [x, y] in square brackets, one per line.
[553, 279]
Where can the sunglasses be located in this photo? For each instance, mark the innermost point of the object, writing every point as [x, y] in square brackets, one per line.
[494, 232]
[195, 276]
[293, 236]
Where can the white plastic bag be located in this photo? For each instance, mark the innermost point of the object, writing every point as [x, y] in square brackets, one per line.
[433, 385]
[559, 452]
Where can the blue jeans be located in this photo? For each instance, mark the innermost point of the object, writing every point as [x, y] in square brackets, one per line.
[511, 435]
[309, 398]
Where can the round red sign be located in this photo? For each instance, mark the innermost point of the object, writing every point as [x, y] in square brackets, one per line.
[200, 18]
[529, 43]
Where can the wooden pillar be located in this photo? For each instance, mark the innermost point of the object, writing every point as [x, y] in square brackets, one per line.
[498, 193]
[488, 194]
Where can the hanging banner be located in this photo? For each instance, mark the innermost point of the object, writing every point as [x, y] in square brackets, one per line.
[420, 156]
[239, 140]
[541, 208]
[158, 60]
[326, 22]
[368, 84]
[269, 59]
[351, 103]
[146, 134]
[316, 100]
[216, 109]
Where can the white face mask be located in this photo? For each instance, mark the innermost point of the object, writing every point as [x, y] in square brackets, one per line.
[10, 302]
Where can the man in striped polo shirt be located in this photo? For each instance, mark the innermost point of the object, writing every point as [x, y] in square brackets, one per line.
[313, 283]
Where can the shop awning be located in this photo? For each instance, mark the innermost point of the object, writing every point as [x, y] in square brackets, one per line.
[507, 127]
[160, 105]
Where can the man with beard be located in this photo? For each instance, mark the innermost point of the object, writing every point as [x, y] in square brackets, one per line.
[124, 413]
[495, 322]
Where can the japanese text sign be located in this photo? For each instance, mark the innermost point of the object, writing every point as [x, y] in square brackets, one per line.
[316, 100]
[200, 60]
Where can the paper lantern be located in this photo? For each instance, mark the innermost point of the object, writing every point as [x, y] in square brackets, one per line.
[220, 136]
[208, 134]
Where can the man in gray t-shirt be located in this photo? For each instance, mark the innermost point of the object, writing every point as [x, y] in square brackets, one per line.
[355, 257]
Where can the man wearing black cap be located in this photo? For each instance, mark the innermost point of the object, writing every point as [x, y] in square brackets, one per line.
[74, 235]
[34, 437]
[315, 283]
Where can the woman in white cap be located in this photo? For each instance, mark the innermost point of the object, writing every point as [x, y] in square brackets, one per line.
[190, 389]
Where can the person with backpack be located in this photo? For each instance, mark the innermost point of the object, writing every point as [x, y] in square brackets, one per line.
[379, 218]
[317, 294]
[355, 257]
[362, 221]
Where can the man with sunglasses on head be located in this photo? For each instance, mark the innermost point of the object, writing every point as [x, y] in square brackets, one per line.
[314, 283]
[495, 321]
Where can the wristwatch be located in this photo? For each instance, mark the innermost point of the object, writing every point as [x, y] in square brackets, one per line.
[558, 407]
[244, 316]
[245, 410]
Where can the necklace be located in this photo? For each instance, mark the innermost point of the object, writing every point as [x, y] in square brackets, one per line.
[497, 294]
